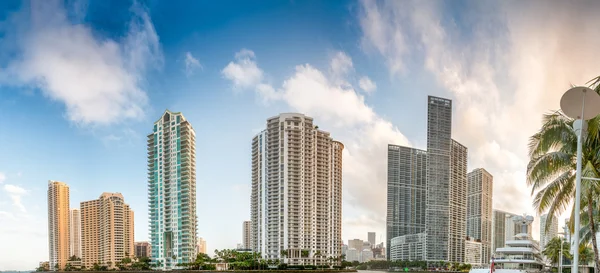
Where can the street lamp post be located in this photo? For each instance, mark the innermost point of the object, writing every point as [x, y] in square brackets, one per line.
[561, 252]
[581, 104]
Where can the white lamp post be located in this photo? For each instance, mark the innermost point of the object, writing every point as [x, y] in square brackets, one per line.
[580, 103]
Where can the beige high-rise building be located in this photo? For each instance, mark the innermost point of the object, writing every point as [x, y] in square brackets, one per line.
[296, 201]
[479, 210]
[58, 224]
[246, 234]
[75, 233]
[106, 230]
[200, 246]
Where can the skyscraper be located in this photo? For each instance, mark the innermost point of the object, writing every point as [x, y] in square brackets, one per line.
[75, 233]
[458, 202]
[446, 185]
[406, 192]
[172, 190]
[107, 230]
[547, 233]
[296, 201]
[479, 210]
[371, 238]
[246, 234]
[58, 224]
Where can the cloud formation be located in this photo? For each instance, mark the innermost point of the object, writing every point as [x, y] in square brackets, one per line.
[504, 64]
[367, 85]
[99, 80]
[191, 64]
[243, 71]
[15, 193]
[2, 177]
[365, 134]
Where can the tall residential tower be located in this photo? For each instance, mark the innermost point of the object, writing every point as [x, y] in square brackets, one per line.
[547, 230]
[75, 233]
[446, 185]
[58, 225]
[247, 234]
[106, 230]
[296, 201]
[406, 192]
[479, 210]
[172, 191]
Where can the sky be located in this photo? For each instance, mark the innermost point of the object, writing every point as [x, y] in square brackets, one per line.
[81, 83]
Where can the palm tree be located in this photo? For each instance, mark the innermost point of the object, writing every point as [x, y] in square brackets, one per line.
[553, 247]
[585, 254]
[552, 165]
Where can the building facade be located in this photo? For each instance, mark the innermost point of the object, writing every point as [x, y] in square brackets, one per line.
[445, 213]
[142, 249]
[474, 252]
[107, 230]
[548, 229]
[75, 233]
[406, 192]
[172, 191]
[458, 202]
[296, 200]
[201, 246]
[371, 237]
[408, 247]
[502, 228]
[479, 210]
[247, 234]
[59, 216]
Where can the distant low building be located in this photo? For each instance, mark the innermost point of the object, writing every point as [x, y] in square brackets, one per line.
[366, 255]
[142, 249]
[352, 255]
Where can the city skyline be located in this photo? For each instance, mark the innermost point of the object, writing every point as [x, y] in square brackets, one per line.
[80, 84]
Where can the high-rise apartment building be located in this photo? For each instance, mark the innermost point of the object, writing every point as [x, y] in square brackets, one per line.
[547, 230]
[200, 245]
[406, 192]
[142, 249]
[75, 233]
[502, 228]
[107, 230]
[172, 191]
[458, 202]
[247, 234]
[446, 186]
[479, 210]
[296, 201]
[371, 238]
[58, 224]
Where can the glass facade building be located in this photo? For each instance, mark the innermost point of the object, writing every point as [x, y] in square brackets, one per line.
[172, 191]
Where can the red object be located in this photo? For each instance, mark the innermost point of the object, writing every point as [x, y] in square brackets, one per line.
[492, 266]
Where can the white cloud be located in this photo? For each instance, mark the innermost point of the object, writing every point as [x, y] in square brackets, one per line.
[502, 78]
[191, 64]
[2, 178]
[337, 107]
[99, 80]
[15, 193]
[367, 85]
[243, 72]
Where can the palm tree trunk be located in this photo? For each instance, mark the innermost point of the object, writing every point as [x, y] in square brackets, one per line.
[593, 230]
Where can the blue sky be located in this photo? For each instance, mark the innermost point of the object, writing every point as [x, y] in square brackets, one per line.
[81, 83]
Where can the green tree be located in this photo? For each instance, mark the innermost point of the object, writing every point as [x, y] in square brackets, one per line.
[586, 254]
[552, 165]
[552, 250]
